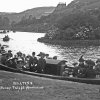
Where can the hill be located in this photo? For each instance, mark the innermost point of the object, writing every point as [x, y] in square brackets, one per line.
[35, 12]
[78, 20]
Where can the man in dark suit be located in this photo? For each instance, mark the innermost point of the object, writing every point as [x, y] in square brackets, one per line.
[41, 63]
[33, 62]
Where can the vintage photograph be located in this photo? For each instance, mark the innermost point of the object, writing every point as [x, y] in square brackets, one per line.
[50, 50]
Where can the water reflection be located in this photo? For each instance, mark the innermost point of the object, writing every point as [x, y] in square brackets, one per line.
[27, 43]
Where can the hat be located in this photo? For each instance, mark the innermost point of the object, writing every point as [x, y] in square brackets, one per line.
[33, 53]
[46, 54]
[19, 60]
[41, 54]
[75, 63]
[19, 53]
[90, 62]
[98, 60]
[55, 57]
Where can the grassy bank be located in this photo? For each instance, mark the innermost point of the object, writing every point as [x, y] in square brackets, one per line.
[52, 89]
[71, 42]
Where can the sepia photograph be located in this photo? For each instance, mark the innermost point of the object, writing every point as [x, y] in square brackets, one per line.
[50, 50]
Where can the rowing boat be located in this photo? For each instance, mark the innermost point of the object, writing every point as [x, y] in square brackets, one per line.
[95, 81]
[6, 39]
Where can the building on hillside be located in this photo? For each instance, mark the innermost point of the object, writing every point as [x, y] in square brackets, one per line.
[60, 6]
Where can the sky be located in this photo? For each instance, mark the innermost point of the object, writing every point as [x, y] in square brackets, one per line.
[21, 5]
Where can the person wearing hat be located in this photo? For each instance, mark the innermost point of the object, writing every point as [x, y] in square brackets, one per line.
[20, 60]
[9, 62]
[97, 67]
[9, 54]
[46, 56]
[81, 62]
[19, 54]
[3, 58]
[81, 69]
[14, 62]
[90, 72]
[75, 70]
[2, 49]
[32, 62]
[41, 63]
[87, 71]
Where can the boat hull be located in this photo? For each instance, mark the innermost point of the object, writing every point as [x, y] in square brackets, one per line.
[5, 39]
[73, 79]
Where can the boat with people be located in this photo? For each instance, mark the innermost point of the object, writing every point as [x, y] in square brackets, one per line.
[85, 71]
[6, 38]
[95, 81]
[3, 31]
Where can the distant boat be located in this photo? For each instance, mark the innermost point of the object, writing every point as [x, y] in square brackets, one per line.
[3, 31]
[14, 31]
[6, 38]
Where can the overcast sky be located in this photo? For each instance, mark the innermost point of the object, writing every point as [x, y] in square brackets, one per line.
[21, 5]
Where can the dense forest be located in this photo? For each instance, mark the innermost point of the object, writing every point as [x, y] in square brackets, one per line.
[4, 23]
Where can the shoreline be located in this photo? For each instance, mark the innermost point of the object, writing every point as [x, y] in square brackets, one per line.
[70, 42]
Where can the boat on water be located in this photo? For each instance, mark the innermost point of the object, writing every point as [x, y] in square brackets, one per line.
[14, 31]
[53, 71]
[6, 38]
[3, 31]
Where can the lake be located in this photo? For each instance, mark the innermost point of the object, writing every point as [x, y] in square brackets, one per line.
[27, 43]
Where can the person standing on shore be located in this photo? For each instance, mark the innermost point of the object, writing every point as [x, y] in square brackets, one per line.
[9, 54]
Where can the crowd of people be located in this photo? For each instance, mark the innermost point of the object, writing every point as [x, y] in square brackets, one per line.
[23, 61]
[83, 68]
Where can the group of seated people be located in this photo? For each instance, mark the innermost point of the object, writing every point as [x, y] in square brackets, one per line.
[23, 61]
[84, 69]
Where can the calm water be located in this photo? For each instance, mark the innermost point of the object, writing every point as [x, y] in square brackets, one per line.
[27, 43]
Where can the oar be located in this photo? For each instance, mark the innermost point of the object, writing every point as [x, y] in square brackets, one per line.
[5, 46]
